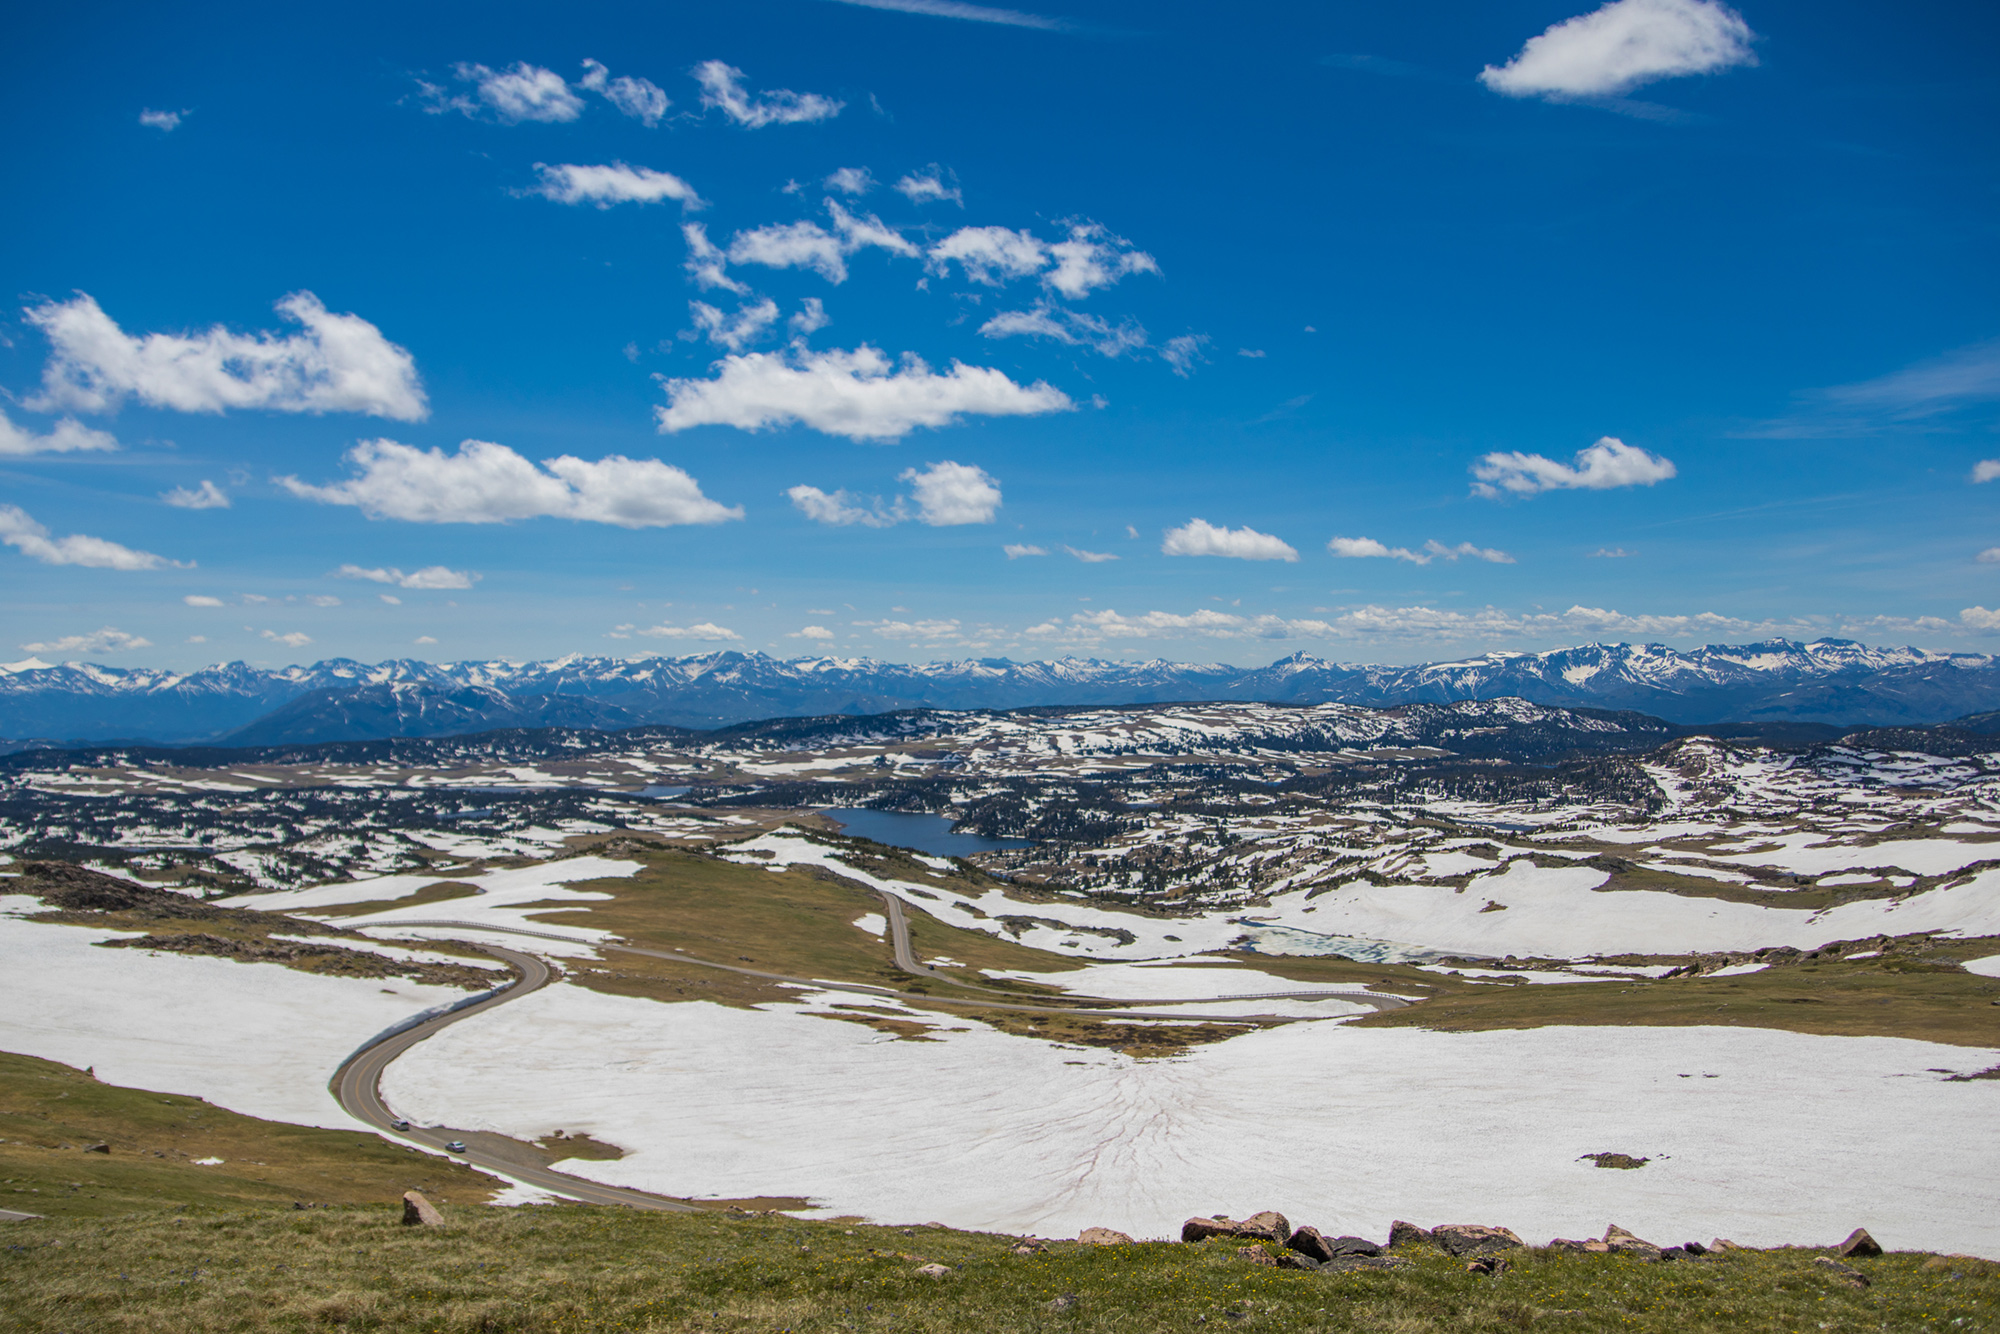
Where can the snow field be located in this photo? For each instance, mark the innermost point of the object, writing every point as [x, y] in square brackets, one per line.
[1764, 1136]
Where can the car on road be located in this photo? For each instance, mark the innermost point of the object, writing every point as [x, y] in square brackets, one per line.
[456, 1146]
[399, 1125]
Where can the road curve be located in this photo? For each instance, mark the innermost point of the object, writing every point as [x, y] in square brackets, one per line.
[357, 1087]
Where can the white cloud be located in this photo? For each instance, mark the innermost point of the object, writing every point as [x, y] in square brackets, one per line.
[611, 183]
[1623, 45]
[164, 121]
[811, 632]
[207, 496]
[521, 92]
[1973, 618]
[1092, 258]
[1983, 471]
[1016, 550]
[1072, 327]
[391, 599]
[930, 630]
[1198, 537]
[1990, 556]
[68, 436]
[949, 494]
[324, 600]
[1603, 466]
[851, 181]
[854, 394]
[489, 483]
[201, 600]
[1364, 547]
[958, 9]
[31, 539]
[722, 88]
[737, 331]
[807, 245]
[106, 640]
[295, 639]
[641, 99]
[706, 265]
[842, 508]
[1184, 353]
[929, 187]
[423, 639]
[1613, 553]
[705, 630]
[812, 317]
[197, 639]
[1090, 557]
[431, 577]
[990, 255]
[341, 363]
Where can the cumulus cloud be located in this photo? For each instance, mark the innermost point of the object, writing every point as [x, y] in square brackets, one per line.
[641, 99]
[1608, 464]
[207, 496]
[722, 88]
[294, 639]
[1364, 547]
[1090, 557]
[810, 319]
[1072, 327]
[1198, 537]
[164, 121]
[1091, 257]
[704, 630]
[843, 509]
[201, 600]
[68, 436]
[857, 394]
[737, 331]
[930, 186]
[488, 483]
[1613, 50]
[431, 577]
[20, 531]
[851, 181]
[990, 255]
[811, 632]
[1016, 550]
[611, 183]
[1990, 556]
[521, 92]
[707, 266]
[807, 245]
[107, 640]
[1986, 470]
[958, 9]
[1184, 353]
[340, 363]
[949, 494]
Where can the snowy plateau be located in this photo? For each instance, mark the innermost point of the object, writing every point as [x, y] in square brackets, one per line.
[1437, 953]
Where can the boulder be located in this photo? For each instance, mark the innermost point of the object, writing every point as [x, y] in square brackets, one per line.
[1469, 1239]
[1694, 1248]
[1270, 1224]
[1102, 1236]
[1257, 1255]
[1621, 1242]
[1290, 1259]
[1311, 1242]
[1725, 1244]
[1029, 1246]
[1491, 1265]
[1844, 1274]
[1675, 1253]
[934, 1270]
[1201, 1229]
[1859, 1245]
[1403, 1234]
[1588, 1246]
[420, 1212]
[97, 1148]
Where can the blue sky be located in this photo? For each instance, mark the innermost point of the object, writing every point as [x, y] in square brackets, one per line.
[1377, 332]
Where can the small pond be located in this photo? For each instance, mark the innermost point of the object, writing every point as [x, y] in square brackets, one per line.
[919, 833]
[660, 791]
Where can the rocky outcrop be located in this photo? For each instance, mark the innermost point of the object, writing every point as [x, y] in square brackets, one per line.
[1266, 1226]
[1403, 1235]
[420, 1212]
[1101, 1236]
[1465, 1240]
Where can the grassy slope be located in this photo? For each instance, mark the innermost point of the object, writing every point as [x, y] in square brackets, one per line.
[576, 1269]
[49, 1112]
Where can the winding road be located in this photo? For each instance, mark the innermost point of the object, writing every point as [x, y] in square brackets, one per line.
[357, 1084]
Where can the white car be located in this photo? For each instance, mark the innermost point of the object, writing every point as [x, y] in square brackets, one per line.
[456, 1146]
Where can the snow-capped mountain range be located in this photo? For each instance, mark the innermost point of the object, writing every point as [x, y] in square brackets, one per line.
[1828, 680]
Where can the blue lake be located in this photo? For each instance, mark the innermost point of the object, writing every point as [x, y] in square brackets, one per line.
[919, 833]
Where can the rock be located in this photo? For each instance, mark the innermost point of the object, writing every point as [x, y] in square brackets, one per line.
[1675, 1253]
[1269, 1224]
[1201, 1229]
[1257, 1255]
[1694, 1248]
[1725, 1244]
[1028, 1246]
[1845, 1274]
[1064, 1302]
[1308, 1242]
[1408, 1234]
[1103, 1236]
[97, 1148]
[1859, 1245]
[420, 1212]
[1491, 1265]
[1620, 1242]
[934, 1270]
[1467, 1239]
[1290, 1259]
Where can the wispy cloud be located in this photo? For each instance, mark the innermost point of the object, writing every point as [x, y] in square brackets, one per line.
[611, 183]
[207, 496]
[1016, 550]
[641, 99]
[19, 530]
[1922, 396]
[722, 89]
[68, 436]
[166, 122]
[1353, 548]
[431, 577]
[521, 92]
[955, 9]
[107, 640]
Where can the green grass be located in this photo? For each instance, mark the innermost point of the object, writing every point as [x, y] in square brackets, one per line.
[579, 1270]
[50, 1112]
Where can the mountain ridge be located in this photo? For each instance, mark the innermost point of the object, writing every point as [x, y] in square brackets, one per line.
[1834, 681]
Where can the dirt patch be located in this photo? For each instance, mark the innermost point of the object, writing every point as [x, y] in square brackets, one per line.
[326, 960]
